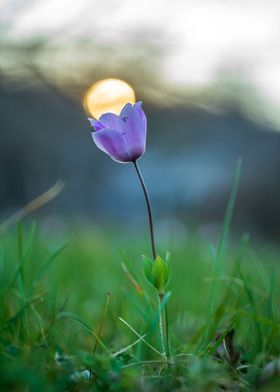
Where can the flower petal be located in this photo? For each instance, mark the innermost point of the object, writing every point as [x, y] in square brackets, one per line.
[138, 107]
[96, 124]
[112, 143]
[133, 130]
[110, 120]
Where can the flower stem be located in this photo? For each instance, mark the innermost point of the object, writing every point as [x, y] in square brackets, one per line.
[160, 295]
[160, 299]
[168, 348]
[148, 203]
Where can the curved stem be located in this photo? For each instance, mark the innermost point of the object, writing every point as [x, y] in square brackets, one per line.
[148, 203]
[160, 296]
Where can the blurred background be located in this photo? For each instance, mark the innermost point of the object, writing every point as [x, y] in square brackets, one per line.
[208, 74]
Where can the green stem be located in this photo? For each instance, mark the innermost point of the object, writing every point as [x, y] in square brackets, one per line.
[160, 299]
[168, 350]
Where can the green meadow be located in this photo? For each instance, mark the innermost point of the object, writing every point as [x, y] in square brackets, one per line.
[77, 313]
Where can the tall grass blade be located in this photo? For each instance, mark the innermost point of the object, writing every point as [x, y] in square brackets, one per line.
[32, 206]
[218, 268]
[102, 321]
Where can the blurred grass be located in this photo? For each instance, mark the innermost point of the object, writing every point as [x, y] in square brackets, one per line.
[53, 296]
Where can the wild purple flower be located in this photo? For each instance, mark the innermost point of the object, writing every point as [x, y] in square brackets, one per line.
[122, 137]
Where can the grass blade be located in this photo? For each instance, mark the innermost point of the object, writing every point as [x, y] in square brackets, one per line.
[77, 320]
[32, 206]
[142, 339]
[218, 269]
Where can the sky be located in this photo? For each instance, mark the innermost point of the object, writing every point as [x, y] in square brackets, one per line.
[199, 38]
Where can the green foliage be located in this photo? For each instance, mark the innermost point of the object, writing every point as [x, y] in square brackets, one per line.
[52, 306]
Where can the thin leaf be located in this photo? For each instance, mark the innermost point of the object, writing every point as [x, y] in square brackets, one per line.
[32, 206]
[51, 258]
[212, 347]
[123, 350]
[140, 337]
[218, 270]
[76, 319]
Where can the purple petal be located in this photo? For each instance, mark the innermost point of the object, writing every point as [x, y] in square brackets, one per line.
[112, 143]
[138, 107]
[126, 106]
[110, 120]
[96, 124]
[134, 131]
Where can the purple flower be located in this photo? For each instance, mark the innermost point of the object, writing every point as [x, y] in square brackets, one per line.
[122, 137]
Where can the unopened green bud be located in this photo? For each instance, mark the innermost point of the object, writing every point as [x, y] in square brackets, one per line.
[157, 272]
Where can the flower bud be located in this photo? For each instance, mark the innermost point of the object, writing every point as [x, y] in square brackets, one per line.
[157, 272]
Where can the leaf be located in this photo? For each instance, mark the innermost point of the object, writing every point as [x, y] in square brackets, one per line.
[50, 259]
[147, 265]
[78, 320]
[141, 337]
[213, 346]
[32, 206]
[218, 269]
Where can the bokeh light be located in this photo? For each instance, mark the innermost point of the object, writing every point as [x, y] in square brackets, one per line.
[108, 95]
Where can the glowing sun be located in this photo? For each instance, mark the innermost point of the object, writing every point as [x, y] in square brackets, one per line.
[108, 95]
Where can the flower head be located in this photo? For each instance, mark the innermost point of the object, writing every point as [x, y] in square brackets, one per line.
[122, 137]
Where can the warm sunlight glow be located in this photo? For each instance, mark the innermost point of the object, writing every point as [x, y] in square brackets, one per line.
[108, 95]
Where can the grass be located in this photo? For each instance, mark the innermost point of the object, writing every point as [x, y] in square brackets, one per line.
[78, 315]
[55, 334]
